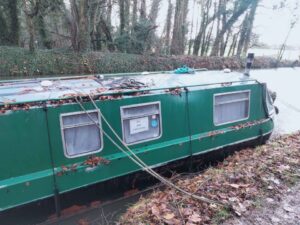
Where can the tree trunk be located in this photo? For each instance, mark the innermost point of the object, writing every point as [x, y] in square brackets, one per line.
[206, 42]
[143, 10]
[134, 13]
[169, 26]
[242, 39]
[127, 15]
[84, 34]
[180, 27]
[97, 11]
[4, 30]
[124, 7]
[218, 27]
[153, 17]
[122, 16]
[42, 32]
[250, 26]
[14, 22]
[233, 45]
[29, 22]
[154, 11]
[108, 35]
[31, 10]
[108, 13]
[74, 25]
[224, 19]
[80, 25]
[205, 21]
[225, 43]
[199, 37]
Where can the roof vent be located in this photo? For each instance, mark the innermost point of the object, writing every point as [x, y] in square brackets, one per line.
[46, 83]
[227, 70]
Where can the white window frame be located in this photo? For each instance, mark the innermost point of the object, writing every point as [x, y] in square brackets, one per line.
[228, 93]
[62, 128]
[133, 117]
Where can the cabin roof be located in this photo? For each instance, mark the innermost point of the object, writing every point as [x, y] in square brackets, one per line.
[35, 90]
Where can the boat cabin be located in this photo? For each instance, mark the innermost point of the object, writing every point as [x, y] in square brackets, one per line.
[60, 134]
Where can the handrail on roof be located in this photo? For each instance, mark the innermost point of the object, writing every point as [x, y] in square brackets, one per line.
[34, 80]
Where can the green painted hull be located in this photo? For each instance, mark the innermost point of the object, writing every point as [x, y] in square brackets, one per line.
[33, 161]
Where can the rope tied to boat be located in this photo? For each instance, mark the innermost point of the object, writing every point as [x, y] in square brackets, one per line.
[138, 161]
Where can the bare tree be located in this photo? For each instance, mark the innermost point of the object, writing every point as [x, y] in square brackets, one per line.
[239, 9]
[294, 20]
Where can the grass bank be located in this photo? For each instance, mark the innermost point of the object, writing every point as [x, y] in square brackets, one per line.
[19, 62]
[241, 182]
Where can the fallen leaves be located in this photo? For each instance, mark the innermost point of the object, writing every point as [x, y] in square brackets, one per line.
[90, 162]
[83, 222]
[240, 181]
[195, 218]
[169, 216]
[94, 161]
[174, 91]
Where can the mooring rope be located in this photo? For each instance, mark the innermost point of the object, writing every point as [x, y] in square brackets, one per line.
[138, 160]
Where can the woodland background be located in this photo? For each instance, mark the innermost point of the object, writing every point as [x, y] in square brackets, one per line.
[43, 37]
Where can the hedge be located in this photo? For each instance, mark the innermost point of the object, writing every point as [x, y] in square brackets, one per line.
[19, 62]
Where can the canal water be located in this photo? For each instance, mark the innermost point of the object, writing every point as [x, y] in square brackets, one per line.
[284, 81]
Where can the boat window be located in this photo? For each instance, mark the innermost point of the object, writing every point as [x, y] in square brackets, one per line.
[81, 136]
[231, 107]
[141, 122]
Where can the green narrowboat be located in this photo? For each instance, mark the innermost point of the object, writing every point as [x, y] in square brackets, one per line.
[54, 138]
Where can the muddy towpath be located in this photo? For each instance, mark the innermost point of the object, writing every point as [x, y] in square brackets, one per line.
[260, 184]
[278, 210]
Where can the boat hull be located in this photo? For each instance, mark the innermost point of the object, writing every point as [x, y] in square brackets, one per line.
[34, 165]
